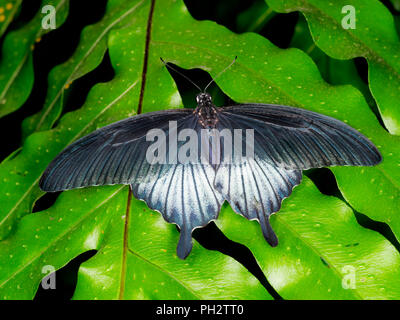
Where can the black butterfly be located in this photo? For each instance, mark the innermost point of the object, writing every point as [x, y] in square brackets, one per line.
[286, 140]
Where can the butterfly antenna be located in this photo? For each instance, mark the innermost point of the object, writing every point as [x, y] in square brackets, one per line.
[213, 80]
[168, 66]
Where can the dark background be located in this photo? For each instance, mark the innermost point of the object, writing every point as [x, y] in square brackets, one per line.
[58, 45]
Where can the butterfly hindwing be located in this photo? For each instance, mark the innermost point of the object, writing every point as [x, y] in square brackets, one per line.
[255, 189]
[185, 196]
[183, 192]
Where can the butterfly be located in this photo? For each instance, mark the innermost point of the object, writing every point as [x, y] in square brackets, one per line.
[284, 141]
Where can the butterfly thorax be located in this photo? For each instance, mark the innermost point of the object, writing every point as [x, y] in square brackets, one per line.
[206, 111]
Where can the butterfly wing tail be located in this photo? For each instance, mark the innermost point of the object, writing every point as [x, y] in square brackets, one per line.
[185, 243]
[267, 231]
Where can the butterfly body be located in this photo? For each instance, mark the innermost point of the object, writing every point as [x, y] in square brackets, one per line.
[206, 111]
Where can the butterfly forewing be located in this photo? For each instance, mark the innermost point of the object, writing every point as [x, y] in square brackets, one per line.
[293, 138]
[115, 154]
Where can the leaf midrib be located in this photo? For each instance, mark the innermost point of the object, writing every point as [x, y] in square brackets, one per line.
[139, 111]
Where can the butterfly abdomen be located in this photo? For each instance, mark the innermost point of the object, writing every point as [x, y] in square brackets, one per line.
[207, 116]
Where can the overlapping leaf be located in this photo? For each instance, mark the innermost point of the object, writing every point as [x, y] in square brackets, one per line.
[373, 38]
[396, 4]
[16, 68]
[332, 70]
[8, 10]
[255, 17]
[323, 252]
[263, 73]
[144, 267]
[88, 55]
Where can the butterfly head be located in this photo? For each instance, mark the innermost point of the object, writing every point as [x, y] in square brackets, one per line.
[204, 100]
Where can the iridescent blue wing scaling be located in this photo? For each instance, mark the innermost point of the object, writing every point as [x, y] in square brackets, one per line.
[185, 196]
[183, 193]
[255, 189]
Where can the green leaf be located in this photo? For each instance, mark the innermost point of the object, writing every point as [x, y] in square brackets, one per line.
[396, 4]
[332, 70]
[374, 38]
[255, 17]
[8, 10]
[16, 68]
[143, 266]
[262, 73]
[376, 194]
[322, 250]
[89, 53]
